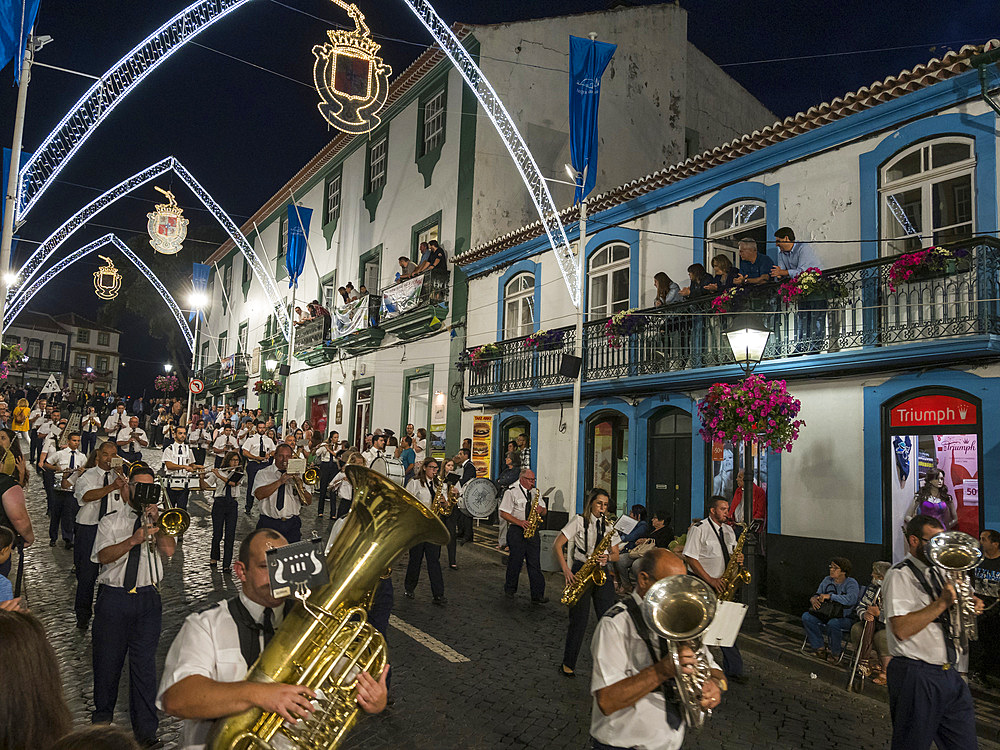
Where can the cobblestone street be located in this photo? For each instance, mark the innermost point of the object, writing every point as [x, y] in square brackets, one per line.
[478, 673]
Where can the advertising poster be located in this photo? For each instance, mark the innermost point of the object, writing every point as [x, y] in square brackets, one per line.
[482, 440]
[438, 441]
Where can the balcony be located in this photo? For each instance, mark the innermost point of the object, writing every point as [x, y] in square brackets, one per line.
[415, 307]
[352, 328]
[227, 374]
[861, 322]
[40, 365]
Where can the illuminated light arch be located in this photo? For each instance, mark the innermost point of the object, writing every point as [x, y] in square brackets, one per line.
[38, 258]
[62, 265]
[88, 113]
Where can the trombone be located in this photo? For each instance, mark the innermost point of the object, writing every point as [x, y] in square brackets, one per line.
[173, 521]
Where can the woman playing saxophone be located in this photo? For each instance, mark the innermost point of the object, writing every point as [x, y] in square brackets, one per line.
[589, 531]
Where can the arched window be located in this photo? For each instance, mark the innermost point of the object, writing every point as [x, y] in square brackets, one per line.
[609, 280]
[519, 306]
[724, 230]
[925, 195]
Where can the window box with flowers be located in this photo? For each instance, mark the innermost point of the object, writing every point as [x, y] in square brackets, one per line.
[267, 386]
[929, 263]
[731, 300]
[622, 325]
[755, 409]
[545, 340]
[811, 284]
[483, 356]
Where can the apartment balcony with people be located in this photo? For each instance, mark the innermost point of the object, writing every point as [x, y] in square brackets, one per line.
[934, 306]
[227, 374]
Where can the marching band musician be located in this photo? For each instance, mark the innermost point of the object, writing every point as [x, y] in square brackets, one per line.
[48, 449]
[224, 442]
[88, 428]
[452, 519]
[203, 677]
[633, 700]
[586, 530]
[128, 612]
[98, 491]
[342, 486]
[35, 417]
[48, 427]
[327, 466]
[515, 509]
[67, 465]
[707, 550]
[226, 481]
[422, 488]
[376, 451]
[116, 421]
[257, 450]
[131, 440]
[199, 438]
[281, 496]
[928, 698]
[178, 459]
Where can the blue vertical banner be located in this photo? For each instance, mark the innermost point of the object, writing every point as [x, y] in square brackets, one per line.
[199, 283]
[295, 257]
[587, 60]
[16, 19]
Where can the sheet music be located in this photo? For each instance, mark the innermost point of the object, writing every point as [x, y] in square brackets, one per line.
[625, 525]
[726, 625]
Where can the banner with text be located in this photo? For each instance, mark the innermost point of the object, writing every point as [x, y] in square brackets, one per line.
[402, 297]
[350, 318]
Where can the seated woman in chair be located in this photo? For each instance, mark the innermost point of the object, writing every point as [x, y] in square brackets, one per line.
[830, 611]
[869, 609]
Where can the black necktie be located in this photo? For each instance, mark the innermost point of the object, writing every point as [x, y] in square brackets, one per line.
[527, 503]
[281, 495]
[132, 566]
[104, 500]
[268, 625]
[72, 459]
[722, 541]
[261, 454]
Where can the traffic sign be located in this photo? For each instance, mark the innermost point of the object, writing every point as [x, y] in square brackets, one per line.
[196, 386]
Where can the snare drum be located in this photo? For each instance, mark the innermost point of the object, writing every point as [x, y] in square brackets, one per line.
[390, 468]
[480, 498]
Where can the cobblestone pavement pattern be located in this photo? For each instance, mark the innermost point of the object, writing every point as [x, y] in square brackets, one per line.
[507, 694]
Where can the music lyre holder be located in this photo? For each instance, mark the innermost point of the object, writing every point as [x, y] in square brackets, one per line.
[297, 569]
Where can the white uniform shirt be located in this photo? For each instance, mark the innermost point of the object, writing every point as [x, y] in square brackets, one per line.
[269, 505]
[199, 438]
[219, 487]
[115, 422]
[133, 436]
[63, 459]
[117, 526]
[515, 501]
[225, 444]
[35, 417]
[421, 491]
[703, 545]
[90, 423]
[49, 449]
[178, 453]
[322, 454]
[585, 539]
[252, 445]
[619, 652]
[371, 454]
[344, 489]
[46, 427]
[92, 479]
[208, 644]
[903, 594]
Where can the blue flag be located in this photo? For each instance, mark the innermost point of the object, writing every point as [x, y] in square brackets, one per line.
[16, 19]
[587, 61]
[199, 283]
[295, 257]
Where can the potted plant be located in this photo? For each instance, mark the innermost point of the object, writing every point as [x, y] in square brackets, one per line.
[730, 300]
[755, 409]
[480, 357]
[623, 324]
[166, 383]
[928, 263]
[267, 386]
[545, 340]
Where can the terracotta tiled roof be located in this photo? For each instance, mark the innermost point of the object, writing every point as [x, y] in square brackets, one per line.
[425, 63]
[893, 87]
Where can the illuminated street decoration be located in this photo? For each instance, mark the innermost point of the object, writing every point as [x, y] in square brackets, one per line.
[37, 259]
[109, 239]
[167, 226]
[350, 77]
[107, 280]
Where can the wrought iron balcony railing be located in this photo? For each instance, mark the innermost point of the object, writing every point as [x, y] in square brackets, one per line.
[859, 307]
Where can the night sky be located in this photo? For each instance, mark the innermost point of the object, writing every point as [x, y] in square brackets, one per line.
[243, 131]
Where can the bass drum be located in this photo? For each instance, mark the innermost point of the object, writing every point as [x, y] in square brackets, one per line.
[480, 498]
[390, 468]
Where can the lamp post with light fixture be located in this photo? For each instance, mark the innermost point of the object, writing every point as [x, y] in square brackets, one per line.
[198, 303]
[748, 338]
[271, 365]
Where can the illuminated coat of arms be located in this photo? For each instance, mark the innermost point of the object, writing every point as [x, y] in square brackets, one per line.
[351, 79]
[107, 280]
[167, 226]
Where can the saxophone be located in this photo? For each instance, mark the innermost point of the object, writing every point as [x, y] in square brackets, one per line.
[735, 575]
[326, 639]
[590, 572]
[534, 517]
[443, 503]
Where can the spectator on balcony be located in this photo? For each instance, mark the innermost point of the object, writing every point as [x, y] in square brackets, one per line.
[407, 268]
[424, 251]
[300, 317]
[363, 291]
[318, 309]
[344, 294]
[755, 267]
[698, 278]
[352, 293]
[794, 258]
[667, 291]
[724, 275]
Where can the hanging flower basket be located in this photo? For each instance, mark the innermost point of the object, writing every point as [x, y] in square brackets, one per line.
[14, 357]
[755, 409]
[88, 377]
[730, 300]
[166, 383]
[545, 341]
[4, 370]
[481, 357]
[267, 386]
[622, 325]
[928, 263]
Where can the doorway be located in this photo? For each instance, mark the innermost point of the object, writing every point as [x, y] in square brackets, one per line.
[606, 463]
[361, 418]
[319, 412]
[668, 466]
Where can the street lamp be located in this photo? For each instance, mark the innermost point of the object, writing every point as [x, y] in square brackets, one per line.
[270, 365]
[167, 368]
[748, 338]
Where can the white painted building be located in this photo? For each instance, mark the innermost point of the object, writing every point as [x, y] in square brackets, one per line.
[435, 169]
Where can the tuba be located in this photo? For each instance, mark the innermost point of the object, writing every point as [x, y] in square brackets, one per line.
[326, 639]
[954, 553]
[680, 608]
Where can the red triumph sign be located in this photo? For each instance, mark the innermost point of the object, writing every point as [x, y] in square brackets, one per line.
[933, 411]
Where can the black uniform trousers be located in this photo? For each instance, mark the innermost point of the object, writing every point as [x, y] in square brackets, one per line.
[199, 455]
[602, 597]
[252, 468]
[49, 483]
[129, 624]
[524, 552]
[86, 571]
[35, 444]
[928, 702]
[88, 441]
[290, 528]
[418, 553]
[225, 511]
[179, 496]
[327, 471]
[451, 523]
[63, 514]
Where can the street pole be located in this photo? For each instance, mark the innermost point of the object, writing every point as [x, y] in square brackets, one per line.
[288, 364]
[578, 352]
[10, 199]
[751, 622]
[194, 359]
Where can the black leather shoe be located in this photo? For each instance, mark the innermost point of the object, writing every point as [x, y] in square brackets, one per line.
[82, 624]
[440, 601]
[407, 594]
[509, 594]
[52, 542]
[69, 545]
[543, 600]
